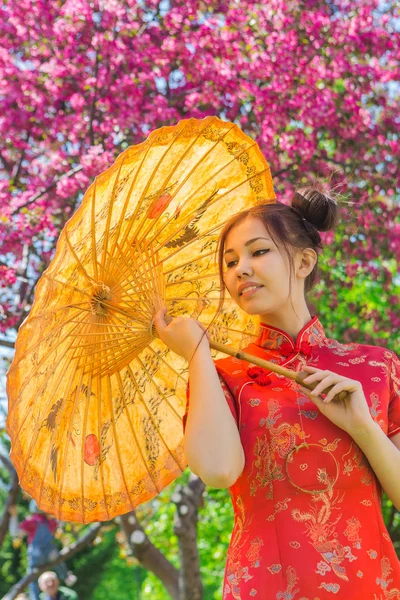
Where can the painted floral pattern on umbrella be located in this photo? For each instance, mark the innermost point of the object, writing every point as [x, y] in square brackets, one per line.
[95, 399]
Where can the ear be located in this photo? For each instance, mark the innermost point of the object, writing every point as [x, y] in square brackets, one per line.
[306, 261]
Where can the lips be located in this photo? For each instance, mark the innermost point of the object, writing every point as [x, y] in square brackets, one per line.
[243, 289]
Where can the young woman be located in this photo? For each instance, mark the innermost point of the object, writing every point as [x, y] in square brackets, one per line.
[305, 472]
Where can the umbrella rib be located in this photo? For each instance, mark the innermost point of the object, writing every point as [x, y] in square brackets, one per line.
[116, 439]
[208, 276]
[189, 216]
[127, 200]
[58, 418]
[69, 438]
[65, 284]
[109, 368]
[109, 214]
[40, 417]
[82, 461]
[145, 301]
[81, 268]
[107, 352]
[155, 169]
[54, 310]
[213, 230]
[145, 335]
[170, 367]
[105, 366]
[188, 262]
[44, 357]
[101, 469]
[93, 230]
[117, 344]
[155, 427]
[137, 309]
[156, 274]
[147, 279]
[193, 169]
[128, 267]
[35, 396]
[120, 383]
[170, 406]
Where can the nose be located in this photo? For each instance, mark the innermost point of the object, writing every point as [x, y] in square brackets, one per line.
[243, 269]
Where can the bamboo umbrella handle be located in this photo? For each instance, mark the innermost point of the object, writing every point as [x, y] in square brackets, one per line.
[297, 376]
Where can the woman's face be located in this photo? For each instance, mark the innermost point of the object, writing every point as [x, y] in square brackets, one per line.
[250, 256]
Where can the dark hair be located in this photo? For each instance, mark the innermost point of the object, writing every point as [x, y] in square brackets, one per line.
[295, 226]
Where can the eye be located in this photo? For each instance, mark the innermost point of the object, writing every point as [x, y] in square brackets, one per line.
[230, 264]
[256, 253]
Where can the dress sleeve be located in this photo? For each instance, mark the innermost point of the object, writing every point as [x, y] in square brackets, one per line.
[394, 400]
[228, 396]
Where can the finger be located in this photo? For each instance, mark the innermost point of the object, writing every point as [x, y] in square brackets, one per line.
[158, 320]
[314, 377]
[326, 382]
[315, 399]
[342, 385]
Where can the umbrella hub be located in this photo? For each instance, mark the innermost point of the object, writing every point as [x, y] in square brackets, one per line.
[100, 300]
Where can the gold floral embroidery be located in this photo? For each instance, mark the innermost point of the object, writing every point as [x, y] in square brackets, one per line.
[352, 532]
[234, 570]
[292, 578]
[253, 554]
[394, 593]
[281, 505]
[330, 587]
[265, 467]
[275, 568]
[359, 461]
[321, 530]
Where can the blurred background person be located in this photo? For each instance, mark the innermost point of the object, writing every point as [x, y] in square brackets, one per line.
[51, 589]
[39, 529]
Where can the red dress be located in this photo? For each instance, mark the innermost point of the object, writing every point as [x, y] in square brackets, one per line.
[288, 544]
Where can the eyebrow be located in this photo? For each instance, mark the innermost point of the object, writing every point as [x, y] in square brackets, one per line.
[248, 243]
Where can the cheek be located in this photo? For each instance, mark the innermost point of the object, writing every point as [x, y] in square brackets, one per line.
[229, 283]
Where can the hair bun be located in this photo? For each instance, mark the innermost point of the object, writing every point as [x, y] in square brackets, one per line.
[317, 206]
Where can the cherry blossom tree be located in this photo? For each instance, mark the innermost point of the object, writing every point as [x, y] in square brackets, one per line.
[314, 82]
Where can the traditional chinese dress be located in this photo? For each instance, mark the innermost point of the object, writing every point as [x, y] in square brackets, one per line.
[286, 543]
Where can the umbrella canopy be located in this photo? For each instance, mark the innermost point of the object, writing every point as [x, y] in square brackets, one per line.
[95, 400]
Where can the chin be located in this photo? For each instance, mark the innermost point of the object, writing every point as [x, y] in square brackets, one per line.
[254, 309]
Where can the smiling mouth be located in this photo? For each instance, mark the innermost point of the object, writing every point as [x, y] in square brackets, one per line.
[250, 290]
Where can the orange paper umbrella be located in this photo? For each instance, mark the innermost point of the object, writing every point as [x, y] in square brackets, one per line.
[95, 399]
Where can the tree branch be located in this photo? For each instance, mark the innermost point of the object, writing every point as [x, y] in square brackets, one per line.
[7, 165]
[66, 553]
[6, 344]
[188, 500]
[148, 555]
[69, 173]
[11, 500]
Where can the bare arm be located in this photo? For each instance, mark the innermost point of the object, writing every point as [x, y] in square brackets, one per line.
[212, 442]
[384, 458]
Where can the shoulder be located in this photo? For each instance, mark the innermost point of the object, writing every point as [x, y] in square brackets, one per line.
[233, 367]
[354, 349]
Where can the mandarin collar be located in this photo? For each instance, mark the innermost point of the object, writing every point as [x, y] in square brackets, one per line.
[275, 339]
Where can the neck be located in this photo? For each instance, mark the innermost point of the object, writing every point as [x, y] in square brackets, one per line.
[288, 322]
